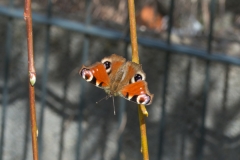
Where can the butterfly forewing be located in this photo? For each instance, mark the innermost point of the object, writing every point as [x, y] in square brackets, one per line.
[115, 64]
[95, 74]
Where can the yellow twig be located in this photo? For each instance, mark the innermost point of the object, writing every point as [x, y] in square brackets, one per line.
[133, 32]
[135, 58]
[143, 131]
[32, 77]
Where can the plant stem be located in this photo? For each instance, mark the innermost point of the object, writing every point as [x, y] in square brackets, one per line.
[143, 131]
[135, 58]
[133, 33]
[32, 77]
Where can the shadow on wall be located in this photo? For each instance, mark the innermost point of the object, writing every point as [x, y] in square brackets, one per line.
[99, 126]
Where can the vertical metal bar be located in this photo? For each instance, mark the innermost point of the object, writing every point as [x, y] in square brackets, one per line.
[81, 95]
[206, 83]
[6, 77]
[203, 114]
[170, 23]
[44, 81]
[81, 104]
[5, 86]
[122, 110]
[210, 36]
[225, 91]
[165, 85]
[185, 106]
[62, 132]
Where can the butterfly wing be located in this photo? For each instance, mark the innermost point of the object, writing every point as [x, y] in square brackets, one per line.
[137, 92]
[101, 74]
[112, 64]
[133, 86]
[95, 74]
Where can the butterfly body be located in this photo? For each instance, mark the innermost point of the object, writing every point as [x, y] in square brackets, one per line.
[119, 78]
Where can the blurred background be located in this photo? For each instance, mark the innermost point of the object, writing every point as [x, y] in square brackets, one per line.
[189, 50]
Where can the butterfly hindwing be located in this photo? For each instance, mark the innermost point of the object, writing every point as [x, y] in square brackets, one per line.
[133, 86]
[137, 92]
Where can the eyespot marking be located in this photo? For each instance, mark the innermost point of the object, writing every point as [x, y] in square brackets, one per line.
[143, 99]
[137, 77]
[86, 74]
[108, 65]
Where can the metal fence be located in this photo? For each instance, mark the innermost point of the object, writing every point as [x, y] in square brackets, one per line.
[79, 148]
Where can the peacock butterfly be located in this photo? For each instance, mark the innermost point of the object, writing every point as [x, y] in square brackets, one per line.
[119, 78]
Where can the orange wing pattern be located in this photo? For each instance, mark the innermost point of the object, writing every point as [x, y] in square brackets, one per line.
[95, 74]
[137, 92]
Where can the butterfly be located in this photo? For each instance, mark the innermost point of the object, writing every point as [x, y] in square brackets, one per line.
[119, 77]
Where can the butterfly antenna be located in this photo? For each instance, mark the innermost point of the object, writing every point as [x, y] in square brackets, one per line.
[102, 99]
[114, 112]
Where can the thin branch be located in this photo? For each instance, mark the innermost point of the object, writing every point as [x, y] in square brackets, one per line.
[133, 33]
[32, 77]
[142, 112]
